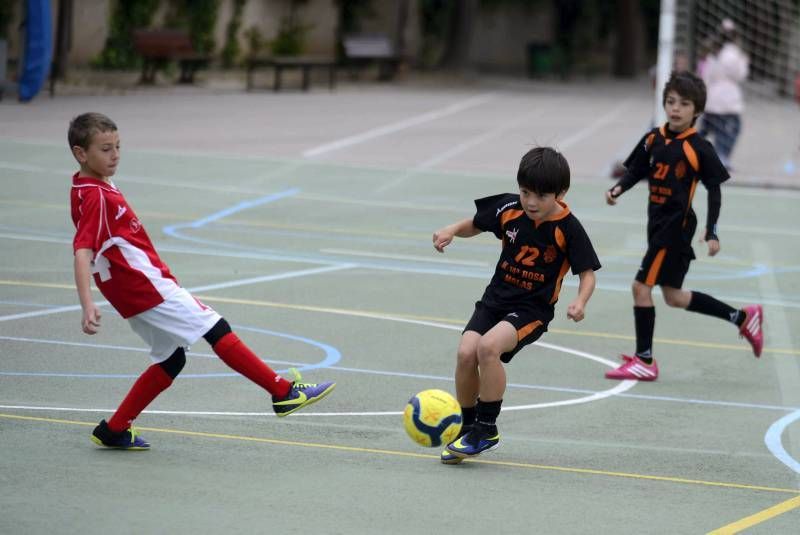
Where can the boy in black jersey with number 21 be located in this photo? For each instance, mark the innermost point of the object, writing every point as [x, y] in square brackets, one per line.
[674, 158]
[542, 240]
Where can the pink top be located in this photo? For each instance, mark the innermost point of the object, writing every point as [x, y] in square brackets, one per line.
[723, 74]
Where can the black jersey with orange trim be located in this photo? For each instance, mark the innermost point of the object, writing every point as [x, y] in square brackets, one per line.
[674, 164]
[534, 258]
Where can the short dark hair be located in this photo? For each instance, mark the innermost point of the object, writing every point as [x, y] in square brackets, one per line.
[543, 170]
[86, 125]
[688, 85]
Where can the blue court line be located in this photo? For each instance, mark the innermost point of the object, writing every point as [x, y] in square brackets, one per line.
[228, 250]
[244, 205]
[774, 444]
[331, 359]
[332, 356]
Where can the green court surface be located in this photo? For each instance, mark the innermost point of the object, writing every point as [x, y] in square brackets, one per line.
[306, 220]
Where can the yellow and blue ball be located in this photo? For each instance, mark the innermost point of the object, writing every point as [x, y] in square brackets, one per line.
[432, 418]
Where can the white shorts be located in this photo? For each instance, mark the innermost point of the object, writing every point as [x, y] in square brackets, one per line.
[179, 321]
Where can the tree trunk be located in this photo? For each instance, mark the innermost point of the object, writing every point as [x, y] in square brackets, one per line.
[629, 40]
[400, 29]
[457, 48]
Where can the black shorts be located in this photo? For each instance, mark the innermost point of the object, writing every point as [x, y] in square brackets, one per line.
[665, 266]
[530, 324]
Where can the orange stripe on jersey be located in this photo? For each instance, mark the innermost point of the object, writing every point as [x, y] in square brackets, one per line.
[655, 267]
[528, 329]
[691, 155]
[561, 241]
[508, 216]
[649, 141]
[689, 204]
[561, 273]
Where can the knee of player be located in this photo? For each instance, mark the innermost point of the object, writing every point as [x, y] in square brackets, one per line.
[673, 299]
[467, 356]
[488, 351]
[217, 332]
[641, 290]
[175, 363]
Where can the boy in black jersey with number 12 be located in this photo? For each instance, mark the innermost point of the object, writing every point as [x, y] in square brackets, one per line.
[541, 241]
[674, 158]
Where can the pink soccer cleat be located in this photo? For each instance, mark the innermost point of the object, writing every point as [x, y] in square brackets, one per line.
[634, 368]
[751, 328]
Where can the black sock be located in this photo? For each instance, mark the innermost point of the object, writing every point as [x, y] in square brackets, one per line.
[644, 319]
[705, 304]
[467, 416]
[486, 416]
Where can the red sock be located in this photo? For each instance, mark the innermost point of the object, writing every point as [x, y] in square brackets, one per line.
[147, 387]
[238, 356]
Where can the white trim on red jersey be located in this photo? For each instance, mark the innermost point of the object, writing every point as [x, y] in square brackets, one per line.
[126, 267]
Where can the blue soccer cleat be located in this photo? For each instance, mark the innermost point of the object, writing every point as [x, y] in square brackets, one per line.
[300, 395]
[124, 440]
[473, 443]
[449, 458]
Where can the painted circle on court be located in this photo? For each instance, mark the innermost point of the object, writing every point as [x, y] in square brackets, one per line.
[332, 356]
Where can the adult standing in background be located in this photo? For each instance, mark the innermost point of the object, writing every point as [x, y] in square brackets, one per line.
[723, 73]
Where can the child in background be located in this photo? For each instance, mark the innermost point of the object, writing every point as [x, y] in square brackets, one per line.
[674, 158]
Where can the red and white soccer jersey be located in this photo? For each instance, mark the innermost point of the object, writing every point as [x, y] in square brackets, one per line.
[127, 269]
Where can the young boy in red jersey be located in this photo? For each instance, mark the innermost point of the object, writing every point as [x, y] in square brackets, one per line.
[674, 158]
[112, 246]
[541, 240]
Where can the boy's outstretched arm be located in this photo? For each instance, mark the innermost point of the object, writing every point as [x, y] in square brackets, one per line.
[575, 310]
[463, 229]
[627, 181]
[714, 206]
[90, 322]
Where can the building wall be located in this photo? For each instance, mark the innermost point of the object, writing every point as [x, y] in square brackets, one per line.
[90, 23]
[265, 15]
[89, 29]
[499, 39]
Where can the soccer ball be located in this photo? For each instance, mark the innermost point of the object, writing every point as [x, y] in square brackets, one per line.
[432, 418]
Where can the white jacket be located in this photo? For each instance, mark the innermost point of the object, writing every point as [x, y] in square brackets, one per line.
[723, 75]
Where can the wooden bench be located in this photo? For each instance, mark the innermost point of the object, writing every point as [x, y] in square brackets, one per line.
[366, 48]
[280, 63]
[158, 46]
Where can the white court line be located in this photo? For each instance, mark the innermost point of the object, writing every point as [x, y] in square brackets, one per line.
[468, 144]
[617, 389]
[398, 126]
[419, 258]
[49, 311]
[777, 331]
[168, 182]
[219, 286]
[780, 191]
[592, 127]
[433, 270]
[456, 150]
[270, 278]
[773, 441]
[25, 237]
[336, 368]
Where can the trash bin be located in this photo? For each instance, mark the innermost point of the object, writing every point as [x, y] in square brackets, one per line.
[3, 61]
[797, 88]
[539, 59]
